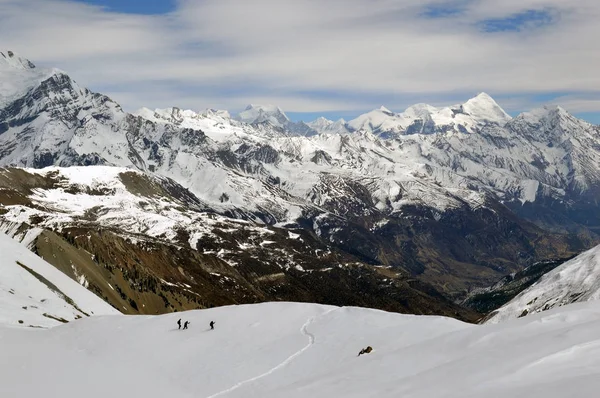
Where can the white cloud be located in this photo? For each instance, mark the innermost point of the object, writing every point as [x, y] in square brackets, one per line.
[348, 51]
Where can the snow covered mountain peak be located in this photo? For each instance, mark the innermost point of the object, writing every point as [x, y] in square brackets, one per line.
[483, 107]
[222, 113]
[9, 58]
[545, 113]
[325, 126]
[263, 113]
[422, 118]
[420, 110]
[556, 124]
[385, 110]
[320, 123]
[183, 118]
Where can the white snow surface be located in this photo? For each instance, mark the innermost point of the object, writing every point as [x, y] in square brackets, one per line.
[24, 297]
[306, 350]
[577, 280]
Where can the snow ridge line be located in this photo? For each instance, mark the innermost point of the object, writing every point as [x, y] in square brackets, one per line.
[311, 341]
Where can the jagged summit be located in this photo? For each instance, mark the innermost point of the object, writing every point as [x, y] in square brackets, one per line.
[12, 59]
[263, 113]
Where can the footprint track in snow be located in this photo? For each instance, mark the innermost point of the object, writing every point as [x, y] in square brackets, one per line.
[311, 342]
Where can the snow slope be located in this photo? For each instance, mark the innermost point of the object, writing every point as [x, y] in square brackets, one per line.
[299, 350]
[576, 280]
[35, 294]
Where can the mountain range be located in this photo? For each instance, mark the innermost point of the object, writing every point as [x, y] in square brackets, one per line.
[451, 198]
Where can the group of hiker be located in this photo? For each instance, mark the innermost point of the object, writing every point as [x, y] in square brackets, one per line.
[186, 323]
[366, 350]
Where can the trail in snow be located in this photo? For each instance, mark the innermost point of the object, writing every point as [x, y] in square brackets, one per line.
[311, 342]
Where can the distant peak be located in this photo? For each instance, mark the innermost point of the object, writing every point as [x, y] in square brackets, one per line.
[216, 112]
[484, 96]
[384, 109]
[12, 59]
[263, 113]
[560, 109]
[483, 99]
[264, 108]
[320, 122]
[484, 107]
[544, 112]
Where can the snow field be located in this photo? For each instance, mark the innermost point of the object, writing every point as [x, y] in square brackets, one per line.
[299, 350]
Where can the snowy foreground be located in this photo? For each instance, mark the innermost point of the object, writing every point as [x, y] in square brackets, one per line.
[276, 349]
[305, 350]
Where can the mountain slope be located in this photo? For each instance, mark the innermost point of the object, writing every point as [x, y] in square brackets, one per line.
[488, 299]
[576, 280]
[35, 294]
[298, 350]
[147, 245]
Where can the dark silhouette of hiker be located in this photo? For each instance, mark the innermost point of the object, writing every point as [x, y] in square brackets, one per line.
[365, 350]
[185, 325]
[212, 325]
[179, 323]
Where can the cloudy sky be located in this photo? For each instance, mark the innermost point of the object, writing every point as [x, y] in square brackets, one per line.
[338, 58]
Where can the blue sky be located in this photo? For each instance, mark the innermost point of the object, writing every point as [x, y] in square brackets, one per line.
[336, 58]
[147, 7]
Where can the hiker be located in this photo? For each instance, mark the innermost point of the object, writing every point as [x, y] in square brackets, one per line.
[185, 324]
[212, 325]
[365, 350]
[179, 323]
